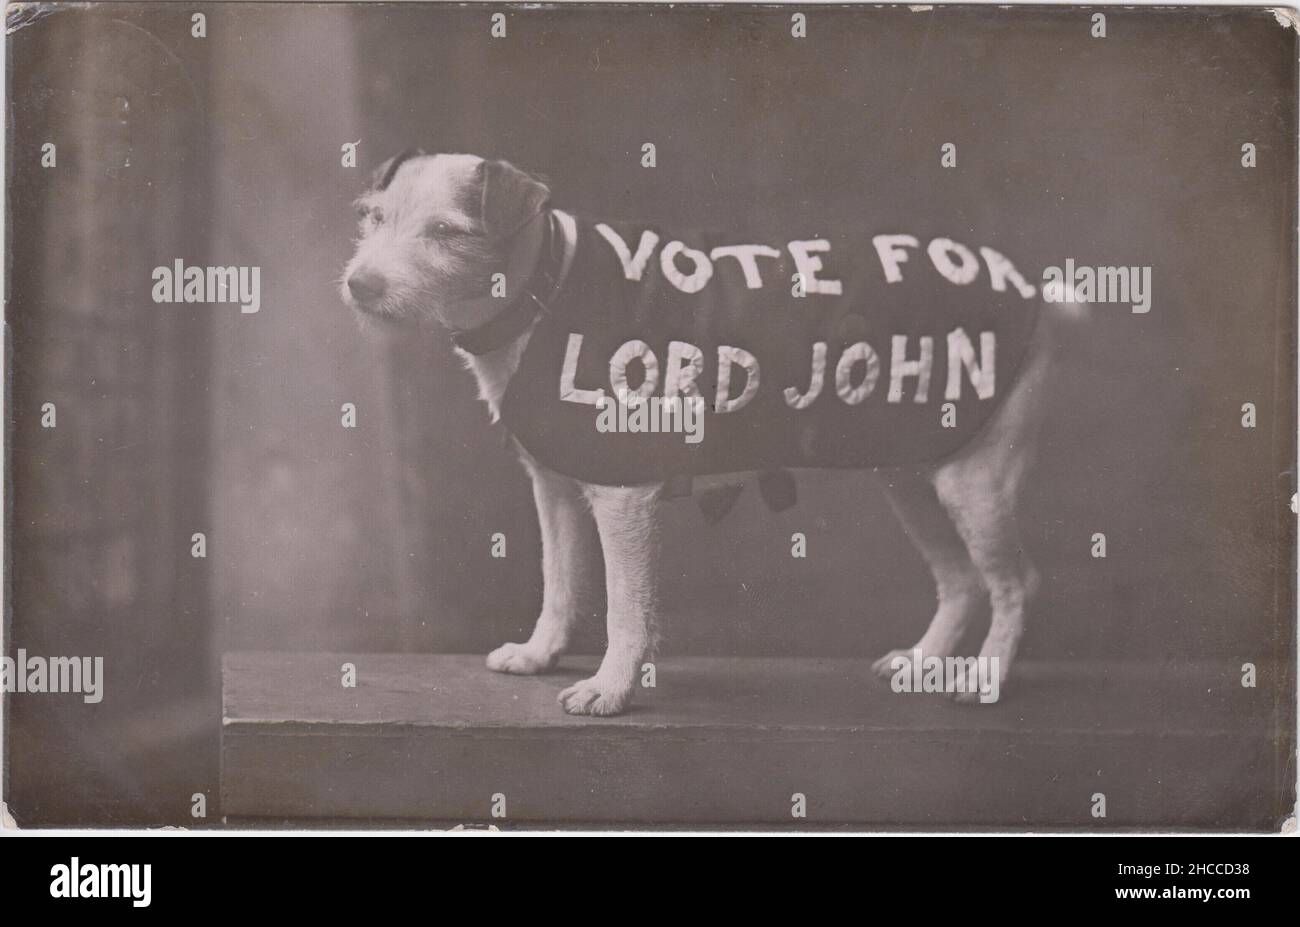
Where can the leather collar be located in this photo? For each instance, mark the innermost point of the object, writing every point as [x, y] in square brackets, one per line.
[526, 298]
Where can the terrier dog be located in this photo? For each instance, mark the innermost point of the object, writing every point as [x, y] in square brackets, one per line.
[473, 244]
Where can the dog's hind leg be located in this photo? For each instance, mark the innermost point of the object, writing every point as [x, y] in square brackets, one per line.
[982, 502]
[957, 582]
[980, 489]
[570, 567]
[629, 534]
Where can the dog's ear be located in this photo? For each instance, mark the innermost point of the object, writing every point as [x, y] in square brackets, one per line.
[382, 176]
[510, 198]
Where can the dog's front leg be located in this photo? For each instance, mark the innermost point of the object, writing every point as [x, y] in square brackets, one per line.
[627, 519]
[570, 565]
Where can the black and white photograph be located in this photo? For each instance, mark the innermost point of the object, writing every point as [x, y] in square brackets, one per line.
[650, 417]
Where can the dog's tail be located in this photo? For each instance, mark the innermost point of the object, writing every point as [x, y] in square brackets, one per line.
[1063, 305]
[1063, 317]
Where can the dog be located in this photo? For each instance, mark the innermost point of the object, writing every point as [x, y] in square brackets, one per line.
[473, 245]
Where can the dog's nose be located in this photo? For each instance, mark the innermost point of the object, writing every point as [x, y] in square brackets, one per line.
[366, 286]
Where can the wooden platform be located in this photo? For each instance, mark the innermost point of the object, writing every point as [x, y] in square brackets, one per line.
[726, 742]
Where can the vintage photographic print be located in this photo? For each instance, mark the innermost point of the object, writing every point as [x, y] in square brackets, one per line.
[650, 417]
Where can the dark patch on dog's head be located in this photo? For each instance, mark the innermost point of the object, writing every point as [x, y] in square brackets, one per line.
[509, 198]
[383, 175]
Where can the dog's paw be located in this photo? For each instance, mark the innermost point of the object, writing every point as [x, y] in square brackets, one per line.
[595, 697]
[520, 659]
[972, 695]
[885, 667]
[966, 689]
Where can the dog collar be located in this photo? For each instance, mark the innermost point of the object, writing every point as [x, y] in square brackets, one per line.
[538, 236]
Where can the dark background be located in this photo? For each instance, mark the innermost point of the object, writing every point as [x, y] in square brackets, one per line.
[226, 150]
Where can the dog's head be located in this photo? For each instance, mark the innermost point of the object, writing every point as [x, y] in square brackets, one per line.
[434, 231]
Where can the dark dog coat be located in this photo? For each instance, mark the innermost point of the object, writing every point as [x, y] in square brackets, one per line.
[899, 350]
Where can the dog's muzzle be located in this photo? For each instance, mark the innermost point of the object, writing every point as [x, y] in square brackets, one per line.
[366, 286]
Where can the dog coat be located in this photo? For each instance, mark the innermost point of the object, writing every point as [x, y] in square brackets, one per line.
[878, 348]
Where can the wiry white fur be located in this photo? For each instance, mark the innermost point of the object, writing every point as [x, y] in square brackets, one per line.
[493, 372]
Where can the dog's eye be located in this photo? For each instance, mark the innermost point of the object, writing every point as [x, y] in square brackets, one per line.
[439, 230]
